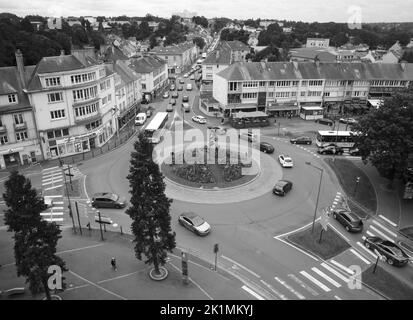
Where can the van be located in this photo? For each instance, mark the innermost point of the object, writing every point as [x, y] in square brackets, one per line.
[140, 119]
[189, 87]
[186, 107]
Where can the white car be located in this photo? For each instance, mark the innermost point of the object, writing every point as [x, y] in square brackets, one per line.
[286, 161]
[199, 119]
[192, 77]
[185, 75]
[140, 119]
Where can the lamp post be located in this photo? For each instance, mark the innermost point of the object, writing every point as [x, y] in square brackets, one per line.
[68, 196]
[355, 187]
[318, 194]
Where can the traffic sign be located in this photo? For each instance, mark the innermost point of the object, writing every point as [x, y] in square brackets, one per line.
[69, 174]
[216, 248]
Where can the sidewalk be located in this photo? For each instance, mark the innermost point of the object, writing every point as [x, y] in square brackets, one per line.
[90, 275]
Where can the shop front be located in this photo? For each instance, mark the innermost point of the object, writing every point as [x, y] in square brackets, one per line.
[127, 115]
[311, 113]
[283, 109]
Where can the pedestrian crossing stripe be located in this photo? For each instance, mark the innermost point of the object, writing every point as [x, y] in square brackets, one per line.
[335, 272]
[315, 281]
[322, 274]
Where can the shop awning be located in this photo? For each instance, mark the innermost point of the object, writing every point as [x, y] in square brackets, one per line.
[375, 102]
[312, 108]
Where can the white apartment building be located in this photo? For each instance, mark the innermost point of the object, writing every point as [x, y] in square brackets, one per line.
[73, 98]
[317, 43]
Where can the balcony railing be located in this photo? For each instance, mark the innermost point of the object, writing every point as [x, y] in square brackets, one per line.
[87, 117]
[3, 129]
[20, 126]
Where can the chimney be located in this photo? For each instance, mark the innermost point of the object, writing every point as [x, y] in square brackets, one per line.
[217, 54]
[20, 68]
[403, 64]
[295, 64]
[62, 52]
[317, 61]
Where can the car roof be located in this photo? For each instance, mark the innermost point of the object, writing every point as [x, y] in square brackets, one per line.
[103, 194]
[351, 215]
[189, 214]
[283, 182]
[266, 144]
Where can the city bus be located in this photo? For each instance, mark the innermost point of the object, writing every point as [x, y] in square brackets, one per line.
[156, 127]
[342, 139]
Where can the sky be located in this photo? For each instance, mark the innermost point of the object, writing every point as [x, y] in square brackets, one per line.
[363, 11]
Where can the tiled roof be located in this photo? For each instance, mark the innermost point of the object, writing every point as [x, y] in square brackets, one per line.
[221, 55]
[312, 53]
[237, 45]
[146, 64]
[127, 74]
[113, 53]
[10, 83]
[173, 50]
[309, 70]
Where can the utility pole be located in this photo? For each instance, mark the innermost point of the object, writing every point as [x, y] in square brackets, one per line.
[68, 196]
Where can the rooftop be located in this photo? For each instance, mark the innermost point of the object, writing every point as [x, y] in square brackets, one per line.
[146, 64]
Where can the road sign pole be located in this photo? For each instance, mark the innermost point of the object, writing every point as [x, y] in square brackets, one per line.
[78, 218]
[70, 178]
[321, 234]
[100, 226]
[216, 249]
[375, 265]
[184, 257]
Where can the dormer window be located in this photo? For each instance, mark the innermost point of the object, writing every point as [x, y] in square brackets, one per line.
[12, 98]
[53, 82]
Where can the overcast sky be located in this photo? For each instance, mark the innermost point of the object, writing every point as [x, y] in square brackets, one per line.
[304, 10]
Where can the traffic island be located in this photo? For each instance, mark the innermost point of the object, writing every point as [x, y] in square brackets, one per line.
[163, 273]
[331, 243]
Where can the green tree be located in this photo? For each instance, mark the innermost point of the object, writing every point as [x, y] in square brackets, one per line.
[35, 239]
[200, 42]
[386, 135]
[150, 207]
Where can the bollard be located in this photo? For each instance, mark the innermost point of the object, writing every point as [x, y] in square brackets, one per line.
[121, 231]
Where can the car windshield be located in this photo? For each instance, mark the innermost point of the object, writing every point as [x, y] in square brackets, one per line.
[197, 221]
[287, 160]
[114, 197]
[393, 248]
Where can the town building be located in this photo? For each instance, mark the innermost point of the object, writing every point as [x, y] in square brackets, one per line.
[54, 23]
[287, 29]
[265, 23]
[73, 97]
[312, 54]
[71, 21]
[317, 43]
[281, 88]
[19, 140]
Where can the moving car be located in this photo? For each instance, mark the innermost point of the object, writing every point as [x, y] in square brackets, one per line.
[282, 187]
[354, 152]
[172, 102]
[391, 252]
[248, 136]
[172, 87]
[192, 77]
[103, 219]
[108, 200]
[266, 147]
[326, 121]
[175, 95]
[186, 107]
[185, 75]
[169, 107]
[348, 120]
[180, 88]
[166, 95]
[149, 113]
[199, 119]
[48, 201]
[349, 220]
[330, 149]
[301, 140]
[285, 161]
[189, 87]
[182, 81]
[140, 119]
[194, 223]
[185, 99]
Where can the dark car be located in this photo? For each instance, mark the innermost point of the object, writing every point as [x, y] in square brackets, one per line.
[185, 99]
[301, 140]
[149, 113]
[326, 121]
[194, 223]
[180, 88]
[391, 252]
[349, 220]
[348, 120]
[169, 107]
[266, 147]
[175, 95]
[108, 200]
[282, 187]
[181, 81]
[331, 149]
[172, 102]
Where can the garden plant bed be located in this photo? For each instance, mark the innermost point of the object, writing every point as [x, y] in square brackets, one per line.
[331, 243]
[76, 192]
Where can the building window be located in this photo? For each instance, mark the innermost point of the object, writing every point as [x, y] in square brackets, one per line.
[250, 95]
[52, 82]
[143, 86]
[21, 136]
[295, 83]
[250, 84]
[262, 83]
[85, 77]
[272, 83]
[270, 94]
[282, 94]
[85, 94]
[18, 118]
[12, 98]
[4, 139]
[303, 94]
[53, 134]
[93, 125]
[57, 114]
[283, 83]
[293, 94]
[109, 97]
[314, 83]
[314, 93]
[54, 97]
[304, 83]
[326, 94]
[86, 110]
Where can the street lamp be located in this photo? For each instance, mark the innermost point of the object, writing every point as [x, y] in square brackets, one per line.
[355, 187]
[318, 194]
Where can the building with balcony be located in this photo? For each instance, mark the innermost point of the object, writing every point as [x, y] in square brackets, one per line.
[19, 143]
[282, 88]
[73, 97]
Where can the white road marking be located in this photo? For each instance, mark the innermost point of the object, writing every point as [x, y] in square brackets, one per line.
[58, 208]
[359, 256]
[302, 284]
[46, 214]
[367, 250]
[335, 272]
[385, 219]
[280, 295]
[250, 291]
[58, 202]
[299, 249]
[52, 175]
[385, 229]
[241, 266]
[381, 233]
[342, 267]
[51, 168]
[299, 295]
[82, 248]
[370, 234]
[322, 274]
[53, 181]
[315, 281]
[54, 187]
[53, 219]
[55, 196]
[337, 298]
[295, 230]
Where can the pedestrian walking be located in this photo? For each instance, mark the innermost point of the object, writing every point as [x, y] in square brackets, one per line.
[113, 263]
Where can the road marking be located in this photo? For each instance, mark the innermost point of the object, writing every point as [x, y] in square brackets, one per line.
[337, 298]
[342, 267]
[54, 187]
[384, 228]
[241, 266]
[280, 295]
[299, 295]
[287, 233]
[51, 175]
[55, 196]
[335, 272]
[381, 233]
[385, 219]
[97, 286]
[367, 250]
[58, 202]
[302, 284]
[58, 208]
[46, 214]
[315, 281]
[47, 183]
[51, 168]
[53, 219]
[360, 256]
[322, 274]
[119, 277]
[250, 291]
[370, 234]
[299, 249]
[82, 248]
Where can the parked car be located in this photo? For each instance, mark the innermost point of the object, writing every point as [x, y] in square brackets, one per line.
[285, 161]
[188, 87]
[248, 136]
[354, 152]
[331, 149]
[140, 119]
[172, 102]
[172, 87]
[185, 75]
[199, 119]
[301, 140]
[186, 107]
[166, 95]
[266, 147]
[108, 200]
[349, 220]
[348, 120]
[326, 121]
[149, 113]
[103, 219]
[169, 107]
[175, 94]
[393, 254]
[180, 88]
[185, 99]
[48, 201]
[182, 81]
[282, 187]
[192, 77]
[194, 223]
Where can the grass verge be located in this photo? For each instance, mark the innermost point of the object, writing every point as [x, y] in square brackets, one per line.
[331, 243]
[363, 194]
[387, 284]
